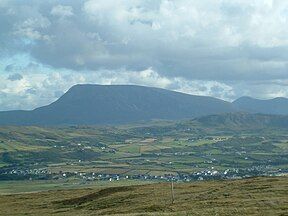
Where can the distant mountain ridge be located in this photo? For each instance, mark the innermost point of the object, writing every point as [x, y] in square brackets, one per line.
[244, 120]
[115, 104]
[89, 104]
[276, 106]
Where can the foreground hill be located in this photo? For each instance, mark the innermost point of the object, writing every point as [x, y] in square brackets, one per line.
[278, 106]
[114, 104]
[254, 196]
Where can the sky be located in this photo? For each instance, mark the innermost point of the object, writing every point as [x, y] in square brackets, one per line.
[224, 48]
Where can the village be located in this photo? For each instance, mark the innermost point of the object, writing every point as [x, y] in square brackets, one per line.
[206, 174]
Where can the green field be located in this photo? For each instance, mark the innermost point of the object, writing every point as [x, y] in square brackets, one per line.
[155, 149]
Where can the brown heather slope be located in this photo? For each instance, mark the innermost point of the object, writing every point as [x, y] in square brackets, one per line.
[253, 196]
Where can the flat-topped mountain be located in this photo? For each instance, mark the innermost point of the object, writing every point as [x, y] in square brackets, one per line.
[115, 104]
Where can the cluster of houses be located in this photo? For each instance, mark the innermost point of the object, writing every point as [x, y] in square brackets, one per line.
[204, 174]
[26, 172]
[201, 175]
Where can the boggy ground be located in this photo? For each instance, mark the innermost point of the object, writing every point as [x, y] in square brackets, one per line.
[252, 196]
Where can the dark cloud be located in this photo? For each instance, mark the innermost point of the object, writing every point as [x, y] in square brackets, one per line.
[32, 91]
[9, 68]
[14, 77]
[175, 38]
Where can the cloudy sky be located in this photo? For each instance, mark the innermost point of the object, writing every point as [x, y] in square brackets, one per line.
[223, 48]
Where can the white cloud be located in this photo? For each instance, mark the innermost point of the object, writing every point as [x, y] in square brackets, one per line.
[62, 11]
[31, 28]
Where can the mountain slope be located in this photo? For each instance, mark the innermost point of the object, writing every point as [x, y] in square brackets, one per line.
[243, 120]
[278, 106]
[113, 104]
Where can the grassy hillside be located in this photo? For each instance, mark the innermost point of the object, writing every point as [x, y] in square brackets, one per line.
[253, 196]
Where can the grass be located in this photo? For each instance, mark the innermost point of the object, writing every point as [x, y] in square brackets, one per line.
[254, 196]
[27, 186]
[16, 146]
